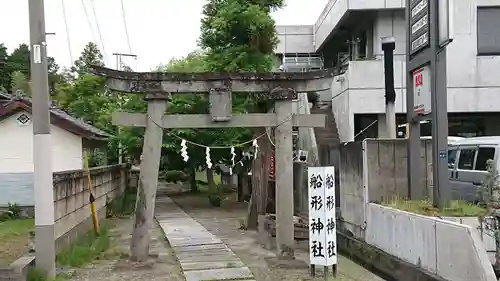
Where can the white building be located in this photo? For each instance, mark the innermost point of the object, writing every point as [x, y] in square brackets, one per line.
[349, 32]
[70, 137]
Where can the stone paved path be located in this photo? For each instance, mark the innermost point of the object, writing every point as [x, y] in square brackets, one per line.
[201, 254]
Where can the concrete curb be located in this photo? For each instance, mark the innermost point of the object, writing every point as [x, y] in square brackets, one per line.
[18, 270]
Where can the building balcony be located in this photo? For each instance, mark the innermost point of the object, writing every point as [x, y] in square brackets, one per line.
[363, 86]
[360, 90]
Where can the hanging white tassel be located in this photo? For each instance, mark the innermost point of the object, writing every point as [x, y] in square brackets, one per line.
[207, 158]
[233, 155]
[256, 148]
[184, 152]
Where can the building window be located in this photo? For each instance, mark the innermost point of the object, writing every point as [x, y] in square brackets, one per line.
[488, 30]
[483, 155]
[466, 159]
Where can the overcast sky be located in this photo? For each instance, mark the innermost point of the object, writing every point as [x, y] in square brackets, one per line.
[158, 29]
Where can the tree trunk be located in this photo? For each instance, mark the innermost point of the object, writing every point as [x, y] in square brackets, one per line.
[240, 186]
[210, 180]
[192, 180]
[260, 180]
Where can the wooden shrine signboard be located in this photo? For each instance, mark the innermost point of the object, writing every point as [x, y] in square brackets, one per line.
[322, 218]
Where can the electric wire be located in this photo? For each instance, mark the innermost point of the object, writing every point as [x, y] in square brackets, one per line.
[99, 32]
[126, 27]
[68, 39]
[89, 22]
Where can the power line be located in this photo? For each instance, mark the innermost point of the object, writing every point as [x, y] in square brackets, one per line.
[88, 21]
[126, 28]
[67, 31]
[99, 31]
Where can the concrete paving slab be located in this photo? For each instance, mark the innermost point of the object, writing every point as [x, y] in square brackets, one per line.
[219, 246]
[193, 242]
[218, 274]
[211, 265]
[202, 255]
[214, 253]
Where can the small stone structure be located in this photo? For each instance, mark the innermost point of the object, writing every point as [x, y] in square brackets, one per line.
[157, 89]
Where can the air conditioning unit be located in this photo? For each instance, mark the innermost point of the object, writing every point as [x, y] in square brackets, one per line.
[300, 156]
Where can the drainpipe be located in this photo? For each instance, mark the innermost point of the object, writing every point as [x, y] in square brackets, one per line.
[388, 46]
[314, 38]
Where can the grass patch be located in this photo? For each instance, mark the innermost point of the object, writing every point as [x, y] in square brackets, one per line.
[14, 238]
[457, 208]
[86, 249]
[202, 176]
[36, 274]
[13, 228]
[122, 205]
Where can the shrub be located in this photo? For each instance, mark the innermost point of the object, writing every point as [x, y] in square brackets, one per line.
[14, 211]
[175, 176]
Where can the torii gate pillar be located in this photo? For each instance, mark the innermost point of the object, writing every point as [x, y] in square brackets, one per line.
[284, 179]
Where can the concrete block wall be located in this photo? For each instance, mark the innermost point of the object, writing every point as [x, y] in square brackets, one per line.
[447, 249]
[352, 188]
[71, 198]
[486, 235]
[375, 170]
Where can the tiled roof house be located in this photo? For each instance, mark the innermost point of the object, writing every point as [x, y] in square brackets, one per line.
[70, 137]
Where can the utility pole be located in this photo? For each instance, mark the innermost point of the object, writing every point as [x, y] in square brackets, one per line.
[429, 31]
[119, 67]
[388, 46]
[42, 156]
[119, 59]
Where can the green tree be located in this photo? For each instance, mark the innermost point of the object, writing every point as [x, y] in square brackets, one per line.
[19, 82]
[19, 60]
[91, 55]
[238, 36]
[489, 194]
[197, 104]
[55, 77]
[4, 74]
[125, 67]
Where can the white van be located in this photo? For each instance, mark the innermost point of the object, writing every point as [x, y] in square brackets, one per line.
[451, 140]
[467, 165]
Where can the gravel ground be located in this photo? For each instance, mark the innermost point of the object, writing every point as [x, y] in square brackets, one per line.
[224, 222]
[115, 266]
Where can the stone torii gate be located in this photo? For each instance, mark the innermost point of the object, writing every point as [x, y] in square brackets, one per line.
[158, 87]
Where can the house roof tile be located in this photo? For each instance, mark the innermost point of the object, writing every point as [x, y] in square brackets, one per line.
[13, 103]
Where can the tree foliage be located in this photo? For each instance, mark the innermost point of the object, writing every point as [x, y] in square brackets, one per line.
[91, 55]
[19, 82]
[18, 62]
[195, 104]
[240, 36]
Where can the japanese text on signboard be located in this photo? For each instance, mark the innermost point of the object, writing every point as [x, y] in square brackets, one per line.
[322, 227]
